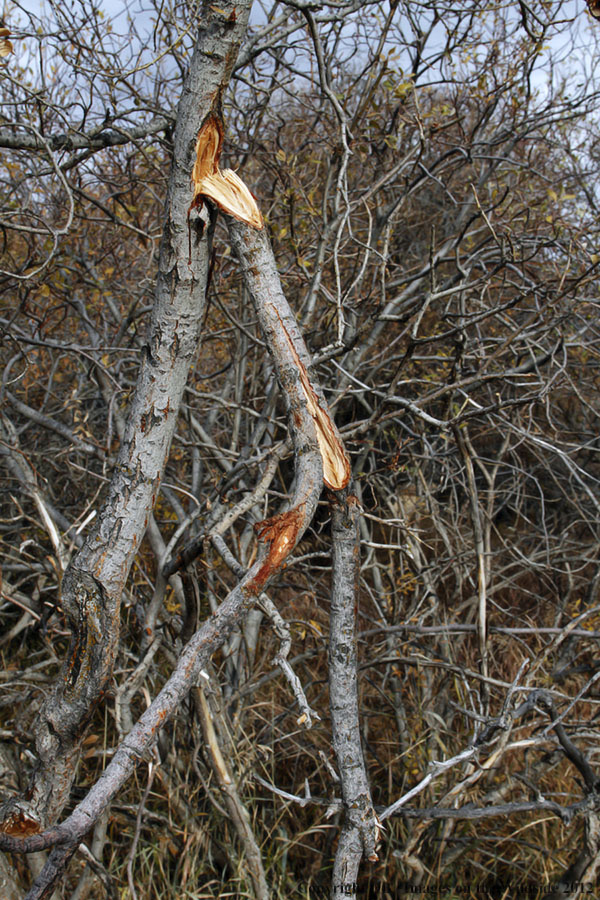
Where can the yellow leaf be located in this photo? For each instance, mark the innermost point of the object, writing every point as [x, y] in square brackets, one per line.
[6, 48]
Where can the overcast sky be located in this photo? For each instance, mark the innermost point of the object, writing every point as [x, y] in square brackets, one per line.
[569, 47]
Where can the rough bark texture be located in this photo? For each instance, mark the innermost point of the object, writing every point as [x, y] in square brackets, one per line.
[93, 584]
[360, 832]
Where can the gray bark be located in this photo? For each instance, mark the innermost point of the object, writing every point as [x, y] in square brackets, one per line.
[360, 831]
[93, 583]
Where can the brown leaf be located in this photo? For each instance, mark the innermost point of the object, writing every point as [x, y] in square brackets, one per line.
[594, 8]
[6, 48]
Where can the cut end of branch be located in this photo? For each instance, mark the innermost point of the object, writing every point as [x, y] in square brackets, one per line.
[224, 188]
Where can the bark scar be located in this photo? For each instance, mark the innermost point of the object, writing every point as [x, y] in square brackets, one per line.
[224, 188]
[281, 532]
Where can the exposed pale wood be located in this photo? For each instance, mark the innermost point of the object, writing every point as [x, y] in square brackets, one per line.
[224, 188]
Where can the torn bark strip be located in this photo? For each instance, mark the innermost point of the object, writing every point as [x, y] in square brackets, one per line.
[336, 468]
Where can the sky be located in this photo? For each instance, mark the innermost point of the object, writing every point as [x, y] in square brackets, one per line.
[569, 47]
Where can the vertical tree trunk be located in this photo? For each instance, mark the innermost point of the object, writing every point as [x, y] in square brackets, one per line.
[94, 582]
[360, 833]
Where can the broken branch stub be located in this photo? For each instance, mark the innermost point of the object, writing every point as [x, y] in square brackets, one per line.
[224, 188]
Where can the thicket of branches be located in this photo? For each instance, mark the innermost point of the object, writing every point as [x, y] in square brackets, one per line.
[428, 177]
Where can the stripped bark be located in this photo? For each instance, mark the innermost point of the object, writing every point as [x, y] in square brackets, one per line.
[360, 831]
[93, 583]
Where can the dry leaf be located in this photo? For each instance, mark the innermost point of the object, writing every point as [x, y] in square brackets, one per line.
[594, 8]
[226, 189]
[6, 48]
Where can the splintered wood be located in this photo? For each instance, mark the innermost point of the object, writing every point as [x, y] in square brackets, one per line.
[224, 188]
[336, 468]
